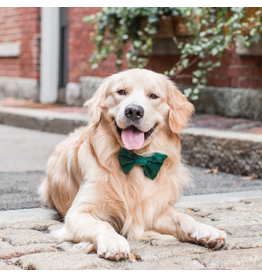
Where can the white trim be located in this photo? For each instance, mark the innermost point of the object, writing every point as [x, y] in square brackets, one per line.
[49, 54]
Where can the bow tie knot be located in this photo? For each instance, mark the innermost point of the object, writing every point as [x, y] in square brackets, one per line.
[150, 164]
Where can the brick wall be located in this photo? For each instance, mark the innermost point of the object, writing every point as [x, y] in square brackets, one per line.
[81, 47]
[236, 71]
[21, 24]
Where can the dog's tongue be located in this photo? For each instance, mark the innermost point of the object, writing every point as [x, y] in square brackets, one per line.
[132, 138]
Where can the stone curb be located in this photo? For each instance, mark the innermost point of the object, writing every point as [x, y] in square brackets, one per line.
[42, 120]
[230, 152]
[26, 242]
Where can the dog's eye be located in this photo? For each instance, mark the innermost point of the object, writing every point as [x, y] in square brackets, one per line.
[121, 92]
[153, 96]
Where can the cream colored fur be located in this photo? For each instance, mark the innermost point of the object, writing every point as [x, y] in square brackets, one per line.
[86, 184]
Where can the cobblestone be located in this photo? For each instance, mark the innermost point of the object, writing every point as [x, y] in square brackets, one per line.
[25, 241]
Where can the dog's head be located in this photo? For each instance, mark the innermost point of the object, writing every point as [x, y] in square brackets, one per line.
[137, 103]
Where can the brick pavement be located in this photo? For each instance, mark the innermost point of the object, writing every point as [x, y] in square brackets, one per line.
[26, 242]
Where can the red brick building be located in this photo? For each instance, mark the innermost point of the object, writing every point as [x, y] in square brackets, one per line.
[21, 26]
[44, 55]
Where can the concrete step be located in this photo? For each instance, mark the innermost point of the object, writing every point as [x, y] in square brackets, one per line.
[41, 119]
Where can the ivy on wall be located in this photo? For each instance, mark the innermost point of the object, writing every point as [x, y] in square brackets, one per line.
[128, 33]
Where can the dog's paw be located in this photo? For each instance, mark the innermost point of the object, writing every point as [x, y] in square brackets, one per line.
[208, 236]
[113, 247]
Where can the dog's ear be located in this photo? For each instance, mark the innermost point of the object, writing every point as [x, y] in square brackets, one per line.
[180, 109]
[94, 105]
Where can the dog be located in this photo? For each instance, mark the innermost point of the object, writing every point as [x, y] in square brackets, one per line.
[107, 198]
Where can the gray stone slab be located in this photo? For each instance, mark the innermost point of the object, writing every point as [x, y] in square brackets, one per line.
[18, 251]
[89, 85]
[25, 236]
[149, 253]
[42, 120]
[4, 245]
[62, 261]
[230, 102]
[19, 87]
[5, 266]
[243, 243]
[233, 259]
[27, 215]
[173, 263]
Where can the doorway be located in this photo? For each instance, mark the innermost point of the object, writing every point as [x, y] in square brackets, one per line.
[63, 52]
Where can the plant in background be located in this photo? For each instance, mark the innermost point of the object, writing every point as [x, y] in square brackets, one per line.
[128, 34]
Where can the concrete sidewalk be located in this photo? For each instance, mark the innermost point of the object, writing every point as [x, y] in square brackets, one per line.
[26, 242]
[232, 145]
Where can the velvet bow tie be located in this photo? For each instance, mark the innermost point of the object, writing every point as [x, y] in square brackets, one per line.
[150, 164]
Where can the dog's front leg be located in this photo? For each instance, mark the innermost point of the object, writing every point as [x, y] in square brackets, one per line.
[85, 228]
[82, 224]
[185, 228]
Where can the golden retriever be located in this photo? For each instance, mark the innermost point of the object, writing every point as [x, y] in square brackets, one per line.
[143, 112]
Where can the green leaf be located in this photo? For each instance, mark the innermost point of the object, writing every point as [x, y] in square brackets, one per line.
[197, 48]
[99, 38]
[195, 80]
[209, 63]
[204, 80]
[197, 73]
[194, 97]
[214, 51]
[253, 31]
[94, 66]
[187, 92]
[255, 38]
[137, 43]
[152, 19]
[244, 24]
[171, 73]
[195, 91]
[185, 62]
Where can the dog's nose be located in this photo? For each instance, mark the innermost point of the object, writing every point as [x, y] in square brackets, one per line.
[134, 112]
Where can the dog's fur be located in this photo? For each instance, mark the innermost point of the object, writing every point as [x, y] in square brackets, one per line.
[87, 186]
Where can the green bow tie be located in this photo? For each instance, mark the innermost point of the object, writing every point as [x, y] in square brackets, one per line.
[151, 164]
